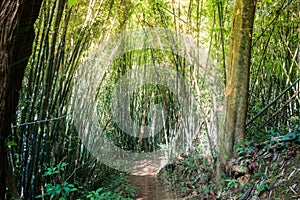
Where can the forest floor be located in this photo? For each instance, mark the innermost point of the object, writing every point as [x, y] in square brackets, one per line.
[260, 170]
[270, 170]
[151, 188]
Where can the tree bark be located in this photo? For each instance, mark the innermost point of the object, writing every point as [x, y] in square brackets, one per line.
[16, 38]
[237, 82]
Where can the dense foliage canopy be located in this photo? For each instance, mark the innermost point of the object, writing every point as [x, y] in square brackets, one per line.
[46, 157]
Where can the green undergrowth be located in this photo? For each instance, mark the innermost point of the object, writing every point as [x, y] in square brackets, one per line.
[190, 176]
[115, 186]
[106, 184]
[260, 170]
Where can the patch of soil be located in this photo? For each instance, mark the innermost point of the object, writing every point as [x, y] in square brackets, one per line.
[288, 185]
[151, 188]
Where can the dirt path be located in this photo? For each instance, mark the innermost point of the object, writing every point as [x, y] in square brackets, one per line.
[151, 188]
[144, 177]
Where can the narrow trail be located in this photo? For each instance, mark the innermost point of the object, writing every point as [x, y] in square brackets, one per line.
[151, 188]
[144, 176]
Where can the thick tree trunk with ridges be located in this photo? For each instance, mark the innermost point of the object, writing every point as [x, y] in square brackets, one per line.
[237, 82]
[16, 37]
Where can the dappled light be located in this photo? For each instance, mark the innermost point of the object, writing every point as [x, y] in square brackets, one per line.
[152, 99]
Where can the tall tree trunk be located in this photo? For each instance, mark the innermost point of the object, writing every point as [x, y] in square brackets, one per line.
[16, 38]
[237, 82]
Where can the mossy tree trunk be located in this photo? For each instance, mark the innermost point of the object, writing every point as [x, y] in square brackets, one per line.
[16, 37]
[237, 82]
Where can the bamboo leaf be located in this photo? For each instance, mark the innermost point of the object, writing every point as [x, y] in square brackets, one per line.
[71, 2]
[11, 143]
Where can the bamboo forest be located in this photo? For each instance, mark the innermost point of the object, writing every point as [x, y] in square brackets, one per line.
[150, 99]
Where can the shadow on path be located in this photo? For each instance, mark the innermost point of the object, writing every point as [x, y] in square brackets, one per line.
[151, 188]
[144, 177]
